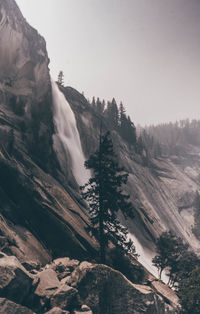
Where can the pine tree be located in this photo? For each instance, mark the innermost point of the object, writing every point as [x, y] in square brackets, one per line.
[189, 292]
[105, 197]
[60, 80]
[170, 250]
[93, 102]
[126, 127]
[100, 106]
[122, 114]
[112, 114]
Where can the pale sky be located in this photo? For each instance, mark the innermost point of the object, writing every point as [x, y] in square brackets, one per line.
[143, 52]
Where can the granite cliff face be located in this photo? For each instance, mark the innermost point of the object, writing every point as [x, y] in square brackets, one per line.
[39, 218]
[24, 60]
[25, 86]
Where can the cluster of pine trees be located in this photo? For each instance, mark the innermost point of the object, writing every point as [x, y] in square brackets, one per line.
[174, 138]
[116, 118]
[196, 204]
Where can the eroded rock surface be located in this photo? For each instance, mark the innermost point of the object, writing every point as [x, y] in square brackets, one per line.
[9, 307]
[15, 281]
[90, 288]
[24, 60]
[108, 291]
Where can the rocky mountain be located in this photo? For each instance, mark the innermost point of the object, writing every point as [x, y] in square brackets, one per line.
[42, 216]
[34, 221]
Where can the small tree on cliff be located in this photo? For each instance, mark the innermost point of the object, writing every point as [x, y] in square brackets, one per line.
[60, 80]
[103, 192]
[170, 250]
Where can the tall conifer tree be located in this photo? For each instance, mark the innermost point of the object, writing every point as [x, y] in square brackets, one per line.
[105, 197]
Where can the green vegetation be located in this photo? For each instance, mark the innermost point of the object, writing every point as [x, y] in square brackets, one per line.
[189, 292]
[60, 80]
[175, 137]
[116, 119]
[105, 197]
[196, 228]
[183, 268]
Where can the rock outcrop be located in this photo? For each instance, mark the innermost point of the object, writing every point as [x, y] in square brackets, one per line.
[25, 85]
[15, 281]
[9, 307]
[108, 291]
[39, 218]
[90, 288]
[24, 60]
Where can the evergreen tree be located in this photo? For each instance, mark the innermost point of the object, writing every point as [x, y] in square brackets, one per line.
[196, 229]
[189, 292]
[105, 197]
[93, 102]
[112, 114]
[126, 127]
[100, 106]
[122, 115]
[139, 145]
[60, 80]
[170, 251]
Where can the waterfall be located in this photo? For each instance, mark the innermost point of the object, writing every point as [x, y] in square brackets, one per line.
[66, 140]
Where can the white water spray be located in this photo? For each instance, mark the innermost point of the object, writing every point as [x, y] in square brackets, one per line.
[66, 140]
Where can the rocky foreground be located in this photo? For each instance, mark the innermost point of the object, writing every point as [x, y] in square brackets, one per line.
[69, 286]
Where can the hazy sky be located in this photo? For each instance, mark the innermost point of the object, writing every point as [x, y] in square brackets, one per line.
[143, 52]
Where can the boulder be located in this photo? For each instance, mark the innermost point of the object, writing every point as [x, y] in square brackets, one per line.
[57, 310]
[2, 254]
[65, 264]
[64, 275]
[81, 312]
[48, 283]
[9, 307]
[84, 309]
[66, 280]
[107, 291]
[65, 297]
[78, 273]
[166, 292]
[15, 281]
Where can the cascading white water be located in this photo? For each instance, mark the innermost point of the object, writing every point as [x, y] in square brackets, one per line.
[66, 140]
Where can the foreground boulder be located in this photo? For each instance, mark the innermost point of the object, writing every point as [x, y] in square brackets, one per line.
[48, 283]
[84, 309]
[65, 297]
[15, 281]
[51, 293]
[9, 307]
[57, 310]
[108, 291]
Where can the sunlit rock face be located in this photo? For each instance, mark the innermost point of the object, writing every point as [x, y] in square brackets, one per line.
[24, 60]
[25, 87]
